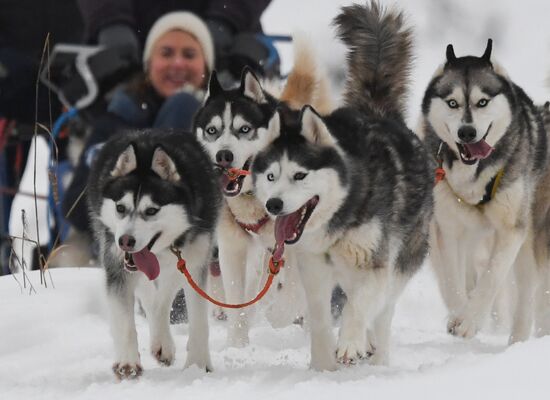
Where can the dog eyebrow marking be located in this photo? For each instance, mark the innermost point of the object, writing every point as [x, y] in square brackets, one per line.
[238, 122]
[137, 196]
[226, 122]
[216, 121]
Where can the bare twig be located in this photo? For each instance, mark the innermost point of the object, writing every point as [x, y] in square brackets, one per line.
[37, 85]
[22, 263]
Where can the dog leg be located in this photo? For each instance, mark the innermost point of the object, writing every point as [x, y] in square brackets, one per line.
[542, 326]
[233, 253]
[525, 274]
[383, 322]
[317, 279]
[508, 241]
[352, 339]
[197, 256]
[156, 300]
[449, 270]
[382, 332]
[366, 291]
[123, 329]
[215, 288]
[198, 352]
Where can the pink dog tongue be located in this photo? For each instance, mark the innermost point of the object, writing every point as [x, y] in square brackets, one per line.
[284, 229]
[479, 150]
[147, 263]
[285, 225]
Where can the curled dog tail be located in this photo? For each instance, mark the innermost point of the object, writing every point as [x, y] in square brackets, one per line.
[379, 57]
[307, 82]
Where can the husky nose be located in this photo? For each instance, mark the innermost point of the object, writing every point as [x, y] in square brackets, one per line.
[126, 242]
[467, 133]
[274, 206]
[224, 157]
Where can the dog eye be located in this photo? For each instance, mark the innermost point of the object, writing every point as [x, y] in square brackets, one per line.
[151, 211]
[270, 177]
[298, 176]
[482, 103]
[245, 129]
[452, 103]
[211, 130]
[121, 209]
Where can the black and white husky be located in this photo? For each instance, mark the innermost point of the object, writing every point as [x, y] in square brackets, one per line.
[489, 139]
[150, 191]
[351, 192]
[232, 127]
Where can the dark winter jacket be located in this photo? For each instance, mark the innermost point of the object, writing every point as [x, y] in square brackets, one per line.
[135, 106]
[242, 15]
[24, 26]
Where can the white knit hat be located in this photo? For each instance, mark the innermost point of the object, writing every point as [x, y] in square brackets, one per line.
[184, 21]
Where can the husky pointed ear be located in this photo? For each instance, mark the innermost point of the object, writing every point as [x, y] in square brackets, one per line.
[250, 86]
[164, 166]
[125, 163]
[451, 58]
[487, 54]
[214, 86]
[273, 128]
[314, 129]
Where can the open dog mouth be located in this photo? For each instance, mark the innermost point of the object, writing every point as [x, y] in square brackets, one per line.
[289, 228]
[232, 185]
[472, 152]
[143, 260]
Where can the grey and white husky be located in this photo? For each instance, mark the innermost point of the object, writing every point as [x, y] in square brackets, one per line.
[150, 192]
[351, 192]
[490, 141]
[541, 215]
[232, 127]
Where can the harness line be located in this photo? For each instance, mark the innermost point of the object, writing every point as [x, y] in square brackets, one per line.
[274, 268]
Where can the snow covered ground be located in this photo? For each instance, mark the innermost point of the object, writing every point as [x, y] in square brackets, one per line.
[55, 344]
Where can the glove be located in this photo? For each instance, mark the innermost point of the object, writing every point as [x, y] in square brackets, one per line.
[122, 36]
[222, 35]
[251, 50]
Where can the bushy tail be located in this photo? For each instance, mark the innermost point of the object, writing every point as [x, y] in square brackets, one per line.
[379, 57]
[307, 82]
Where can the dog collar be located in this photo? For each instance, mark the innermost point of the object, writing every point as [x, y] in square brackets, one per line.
[491, 188]
[490, 191]
[253, 228]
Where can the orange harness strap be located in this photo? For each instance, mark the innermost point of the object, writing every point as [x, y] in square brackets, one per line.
[234, 173]
[274, 267]
[439, 171]
[439, 174]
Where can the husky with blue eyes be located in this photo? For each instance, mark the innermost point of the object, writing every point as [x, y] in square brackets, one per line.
[351, 192]
[490, 144]
[232, 126]
[150, 192]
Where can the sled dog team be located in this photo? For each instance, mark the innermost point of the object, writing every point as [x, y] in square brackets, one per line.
[345, 195]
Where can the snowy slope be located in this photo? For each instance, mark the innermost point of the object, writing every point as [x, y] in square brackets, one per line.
[55, 344]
